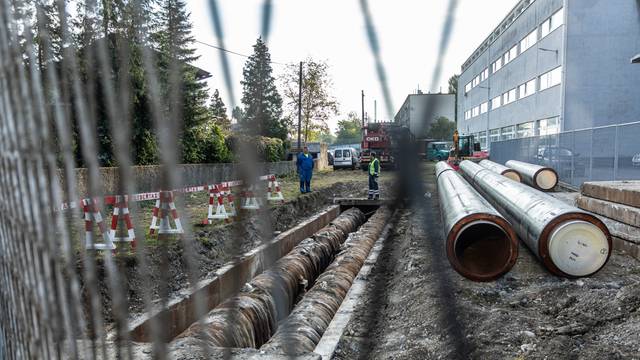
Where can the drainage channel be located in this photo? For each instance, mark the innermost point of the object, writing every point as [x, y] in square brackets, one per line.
[287, 308]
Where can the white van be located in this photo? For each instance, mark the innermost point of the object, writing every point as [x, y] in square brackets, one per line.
[345, 157]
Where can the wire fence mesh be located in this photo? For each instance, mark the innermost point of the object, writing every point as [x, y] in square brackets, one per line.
[53, 304]
[597, 154]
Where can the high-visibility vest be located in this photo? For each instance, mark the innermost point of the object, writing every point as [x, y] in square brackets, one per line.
[372, 169]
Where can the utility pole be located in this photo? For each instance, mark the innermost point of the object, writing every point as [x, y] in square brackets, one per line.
[300, 107]
[362, 110]
[375, 110]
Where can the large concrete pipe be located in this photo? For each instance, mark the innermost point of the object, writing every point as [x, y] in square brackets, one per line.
[501, 169]
[540, 177]
[481, 245]
[569, 242]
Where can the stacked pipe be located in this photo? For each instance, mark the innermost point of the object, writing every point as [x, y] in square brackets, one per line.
[501, 169]
[303, 329]
[250, 318]
[540, 177]
[569, 242]
[481, 245]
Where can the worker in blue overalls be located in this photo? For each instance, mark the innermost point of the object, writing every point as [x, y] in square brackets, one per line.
[305, 170]
[374, 172]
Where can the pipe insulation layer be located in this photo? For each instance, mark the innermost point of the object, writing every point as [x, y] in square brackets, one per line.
[250, 318]
[569, 242]
[303, 329]
[540, 177]
[501, 169]
[481, 244]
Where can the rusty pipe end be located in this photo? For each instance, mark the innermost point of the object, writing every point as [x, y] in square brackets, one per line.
[575, 245]
[482, 247]
[512, 174]
[545, 179]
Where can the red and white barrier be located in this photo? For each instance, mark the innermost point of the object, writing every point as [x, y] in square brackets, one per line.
[249, 199]
[121, 212]
[165, 206]
[91, 214]
[217, 195]
[274, 193]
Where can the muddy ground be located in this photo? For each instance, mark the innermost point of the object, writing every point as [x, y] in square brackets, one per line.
[417, 307]
[216, 244]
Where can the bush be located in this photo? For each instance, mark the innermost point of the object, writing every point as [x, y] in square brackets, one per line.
[204, 145]
[267, 149]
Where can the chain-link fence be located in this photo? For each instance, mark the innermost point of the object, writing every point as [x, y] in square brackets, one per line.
[596, 154]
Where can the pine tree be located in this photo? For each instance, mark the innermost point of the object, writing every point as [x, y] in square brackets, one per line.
[260, 97]
[174, 41]
[219, 112]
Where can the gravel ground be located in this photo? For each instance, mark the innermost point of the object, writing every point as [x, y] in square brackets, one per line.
[417, 307]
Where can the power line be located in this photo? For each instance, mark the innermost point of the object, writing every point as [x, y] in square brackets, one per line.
[234, 52]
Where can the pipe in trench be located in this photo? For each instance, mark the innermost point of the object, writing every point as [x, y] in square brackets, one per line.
[501, 169]
[569, 242]
[481, 244]
[250, 318]
[540, 177]
[303, 329]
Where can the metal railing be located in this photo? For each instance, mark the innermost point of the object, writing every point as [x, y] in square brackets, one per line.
[596, 154]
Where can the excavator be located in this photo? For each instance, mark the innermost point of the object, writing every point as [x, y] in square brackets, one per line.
[465, 148]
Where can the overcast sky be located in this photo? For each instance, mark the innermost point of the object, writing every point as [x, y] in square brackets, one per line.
[333, 30]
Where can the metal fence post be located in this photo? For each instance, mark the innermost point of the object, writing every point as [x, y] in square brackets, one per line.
[615, 155]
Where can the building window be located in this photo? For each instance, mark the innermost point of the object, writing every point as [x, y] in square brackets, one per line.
[475, 111]
[497, 65]
[552, 23]
[549, 126]
[484, 107]
[551, 78]
[529, 41]
[494, 135]
[467, 115]
[476, 81]
[511, 54]
[508, 132]
[482, 138]
[525, 130]
[484, 75]
[495, 102]
[467, 88]
[509, 97]
[527, 89]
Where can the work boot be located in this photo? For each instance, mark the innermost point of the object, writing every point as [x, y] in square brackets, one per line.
[370, 197]
[377, 197]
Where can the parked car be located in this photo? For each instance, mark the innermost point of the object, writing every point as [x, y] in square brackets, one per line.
[438, 150]
[330, 157]
[635, 161]
[566, 163]
[346, 157]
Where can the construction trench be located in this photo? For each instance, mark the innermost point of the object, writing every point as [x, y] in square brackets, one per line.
[318, 290]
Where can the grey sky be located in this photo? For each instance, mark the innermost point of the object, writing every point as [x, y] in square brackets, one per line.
[333, 30]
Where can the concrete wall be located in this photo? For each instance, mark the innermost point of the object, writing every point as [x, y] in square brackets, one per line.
[413, 112]
[601, 83]
[147, 178]
[526, 66]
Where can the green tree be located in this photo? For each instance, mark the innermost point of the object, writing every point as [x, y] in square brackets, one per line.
[260, 97]
[442, 129]
[349, 130]
[453, 84]
[175, 42]
[219, 112]
[318, 103]
[327, 137]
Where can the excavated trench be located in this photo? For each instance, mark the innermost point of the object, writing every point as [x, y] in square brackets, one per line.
[287, 307]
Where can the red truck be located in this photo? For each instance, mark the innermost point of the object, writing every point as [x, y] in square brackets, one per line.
[376, 137]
